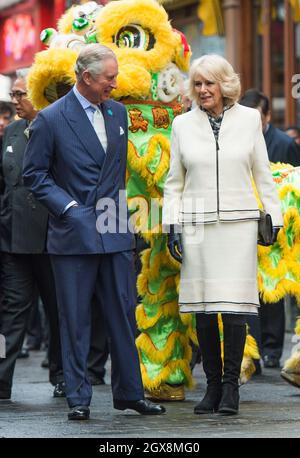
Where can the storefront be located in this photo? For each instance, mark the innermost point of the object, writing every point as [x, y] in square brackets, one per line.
[20, 25]
[261, 38]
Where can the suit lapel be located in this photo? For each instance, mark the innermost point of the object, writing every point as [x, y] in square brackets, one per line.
[18, 140]
[82, 128]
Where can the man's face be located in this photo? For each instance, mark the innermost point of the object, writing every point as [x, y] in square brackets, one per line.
[99, 87]
[5, 119]
[23, 106]
[265, 119]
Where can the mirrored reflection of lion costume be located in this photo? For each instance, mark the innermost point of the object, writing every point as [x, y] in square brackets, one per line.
[151, 57]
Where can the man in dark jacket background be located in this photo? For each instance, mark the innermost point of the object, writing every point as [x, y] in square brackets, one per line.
[25, 264]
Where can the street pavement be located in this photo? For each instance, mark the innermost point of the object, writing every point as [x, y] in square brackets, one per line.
[269, 408]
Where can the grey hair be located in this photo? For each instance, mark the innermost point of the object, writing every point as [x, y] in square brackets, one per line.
[22, 73]
[91, 58]
[217, 69]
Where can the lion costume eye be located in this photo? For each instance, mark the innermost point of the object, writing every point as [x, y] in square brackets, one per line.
[134, 36]
[80, 23]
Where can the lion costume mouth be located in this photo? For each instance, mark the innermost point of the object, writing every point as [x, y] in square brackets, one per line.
[51, 76]
[56, 90]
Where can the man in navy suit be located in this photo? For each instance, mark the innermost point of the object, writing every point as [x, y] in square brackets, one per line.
[75, 165]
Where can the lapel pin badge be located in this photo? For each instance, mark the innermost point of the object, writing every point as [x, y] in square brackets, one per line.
[109, 112]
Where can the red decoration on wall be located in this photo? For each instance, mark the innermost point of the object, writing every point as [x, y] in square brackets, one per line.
[20, 28]
[19, 35]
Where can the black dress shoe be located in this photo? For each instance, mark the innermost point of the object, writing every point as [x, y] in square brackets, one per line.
[23, 353]
[143, 406]
[33, 346]
[79, 413]
[271, 362]
[59, 390]
[45, 363]
[5, 394]
[96, 380]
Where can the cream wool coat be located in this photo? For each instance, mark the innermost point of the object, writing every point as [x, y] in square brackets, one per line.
[209, 182]
[209, 190]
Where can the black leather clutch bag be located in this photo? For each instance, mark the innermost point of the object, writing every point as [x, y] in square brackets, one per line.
[265, 229]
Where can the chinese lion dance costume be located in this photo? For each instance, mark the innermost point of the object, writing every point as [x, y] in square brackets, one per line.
[151, 57]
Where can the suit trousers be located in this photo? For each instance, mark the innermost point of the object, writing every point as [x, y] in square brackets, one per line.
[20, 274]
[36, 332]
[112, 278]
[99, 350]
[272, 322]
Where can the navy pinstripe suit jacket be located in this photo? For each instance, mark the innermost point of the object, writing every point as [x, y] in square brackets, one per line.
[64, 161]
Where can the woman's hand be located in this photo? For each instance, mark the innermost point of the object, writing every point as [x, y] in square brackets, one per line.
[174, 244]
[275, 234]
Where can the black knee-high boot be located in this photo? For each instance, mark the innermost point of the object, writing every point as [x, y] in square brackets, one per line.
[209, 342]
[234, 342]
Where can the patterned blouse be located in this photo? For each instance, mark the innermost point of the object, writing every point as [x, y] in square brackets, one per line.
[216, 122]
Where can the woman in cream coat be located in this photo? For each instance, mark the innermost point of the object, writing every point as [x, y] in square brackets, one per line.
[215, 150]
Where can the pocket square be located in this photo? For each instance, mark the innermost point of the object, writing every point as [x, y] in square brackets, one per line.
[121, 131]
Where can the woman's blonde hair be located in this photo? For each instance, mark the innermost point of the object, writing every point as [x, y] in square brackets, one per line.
[218, 70]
